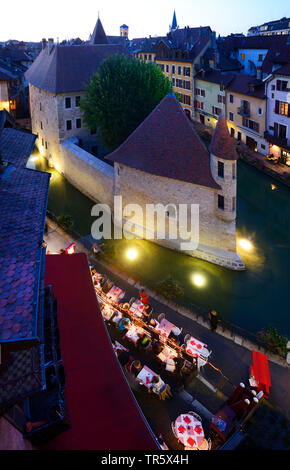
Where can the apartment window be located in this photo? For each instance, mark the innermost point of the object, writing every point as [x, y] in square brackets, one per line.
[284, 108]
[150, 57]
[234, 171]
[41, 126]
[78, 123]
[232, 132]
[186, 71]
[280, 130]
[231, 98]
[231, 116]
[272, 87]
[239, 136]
[186, 84]
[145, 56]
[42, 141]
[251, 124]
[167, 68]
[46, 145]
[202, 92]
[260, 57]
[173, 81]
[68, 125]
[187, 99]
[221, 202]
[40, 107]
[179, 70]
[221, 99]
[216, 111]
[260, 111]
[263, 146]
[68, 103]
[173, 69]
[281, 85]
[242, 56]
[220, 170]
[78, 101]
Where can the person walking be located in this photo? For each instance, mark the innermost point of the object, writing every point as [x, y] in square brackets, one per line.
[213, 319]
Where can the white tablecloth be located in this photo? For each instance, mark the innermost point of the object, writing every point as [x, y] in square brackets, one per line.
[189, 431]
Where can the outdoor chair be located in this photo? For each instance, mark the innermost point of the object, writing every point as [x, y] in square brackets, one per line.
[192, 413]
[205, 445]
[205, 353]
[173, 431]
[160, 317]
[132, 300]
[186, 338]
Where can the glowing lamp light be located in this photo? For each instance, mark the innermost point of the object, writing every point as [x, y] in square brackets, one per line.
[198, 280]
[131, 254]
[71, 249]
[245, 244]
[273, 187]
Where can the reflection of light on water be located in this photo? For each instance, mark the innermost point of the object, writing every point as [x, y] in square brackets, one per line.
[245, 244]
[131, 254]
[198, 280]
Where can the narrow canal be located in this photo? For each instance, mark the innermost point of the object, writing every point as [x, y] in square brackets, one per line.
[251, 299]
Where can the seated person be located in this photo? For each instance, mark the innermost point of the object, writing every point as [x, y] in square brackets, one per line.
[143, 341]
[123, 357]
[177, 339]
[157, 347]
[124, 324]
[125, 307]
[153, 322]
[143, 296]
[147, 313]
[160, 388]
[107, 286]
[135, 368]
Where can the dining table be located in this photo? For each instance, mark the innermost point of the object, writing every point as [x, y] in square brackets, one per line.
[134, 332]
[145, 376]
[189, 431]
[194, 346]
[137, 308]
[115, 293]
[164, 328]
[107, 312]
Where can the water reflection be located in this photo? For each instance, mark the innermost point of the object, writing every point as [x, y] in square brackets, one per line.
[253, 298]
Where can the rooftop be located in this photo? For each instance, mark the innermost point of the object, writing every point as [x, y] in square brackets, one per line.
[222, 145]
[166, 144]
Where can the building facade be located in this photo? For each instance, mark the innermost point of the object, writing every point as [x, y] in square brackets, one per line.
[278, 114]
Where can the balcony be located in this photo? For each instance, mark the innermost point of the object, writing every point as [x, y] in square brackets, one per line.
[276, 140]
[243, 111]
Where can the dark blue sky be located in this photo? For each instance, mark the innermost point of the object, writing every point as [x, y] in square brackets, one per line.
[34, 19]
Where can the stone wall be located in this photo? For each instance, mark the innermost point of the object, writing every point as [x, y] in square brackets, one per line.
[217, 237]
[88, 174]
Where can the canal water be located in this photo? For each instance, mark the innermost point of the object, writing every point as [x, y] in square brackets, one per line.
[251, 299]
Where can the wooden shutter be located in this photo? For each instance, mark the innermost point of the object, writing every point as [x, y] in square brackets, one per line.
[277, 106]
[278, 85]
[276, 129]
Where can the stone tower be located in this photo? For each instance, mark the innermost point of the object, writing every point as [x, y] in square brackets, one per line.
[223, 161]
[124, 30]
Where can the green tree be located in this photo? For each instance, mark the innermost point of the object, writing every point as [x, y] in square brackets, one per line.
[121, 95]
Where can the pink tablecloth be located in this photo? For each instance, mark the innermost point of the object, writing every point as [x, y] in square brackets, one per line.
[194, 346]
[164, 328]
[145, 376]
[189, 430]
[114, 293]
[134, 333]
[137, 308]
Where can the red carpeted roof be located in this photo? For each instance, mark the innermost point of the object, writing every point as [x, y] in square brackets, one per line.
[102, 409]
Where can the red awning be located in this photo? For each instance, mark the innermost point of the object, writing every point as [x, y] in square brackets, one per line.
[260, 370]
[102, 409]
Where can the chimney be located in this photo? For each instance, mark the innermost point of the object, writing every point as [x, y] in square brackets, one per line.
[50, 45]
[259, 73]
[43, 43]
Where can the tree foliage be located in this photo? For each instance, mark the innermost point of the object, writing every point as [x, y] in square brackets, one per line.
[120, 96]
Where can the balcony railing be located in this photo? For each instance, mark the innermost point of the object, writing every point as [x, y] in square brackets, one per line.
[276, 140]
[244, 111]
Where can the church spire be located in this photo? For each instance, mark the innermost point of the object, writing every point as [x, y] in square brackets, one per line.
[99, 35]
[174, 22]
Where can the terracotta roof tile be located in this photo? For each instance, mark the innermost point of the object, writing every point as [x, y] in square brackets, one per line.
[166, 144]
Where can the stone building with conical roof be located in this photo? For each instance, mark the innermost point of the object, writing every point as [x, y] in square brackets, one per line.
[164, 162]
